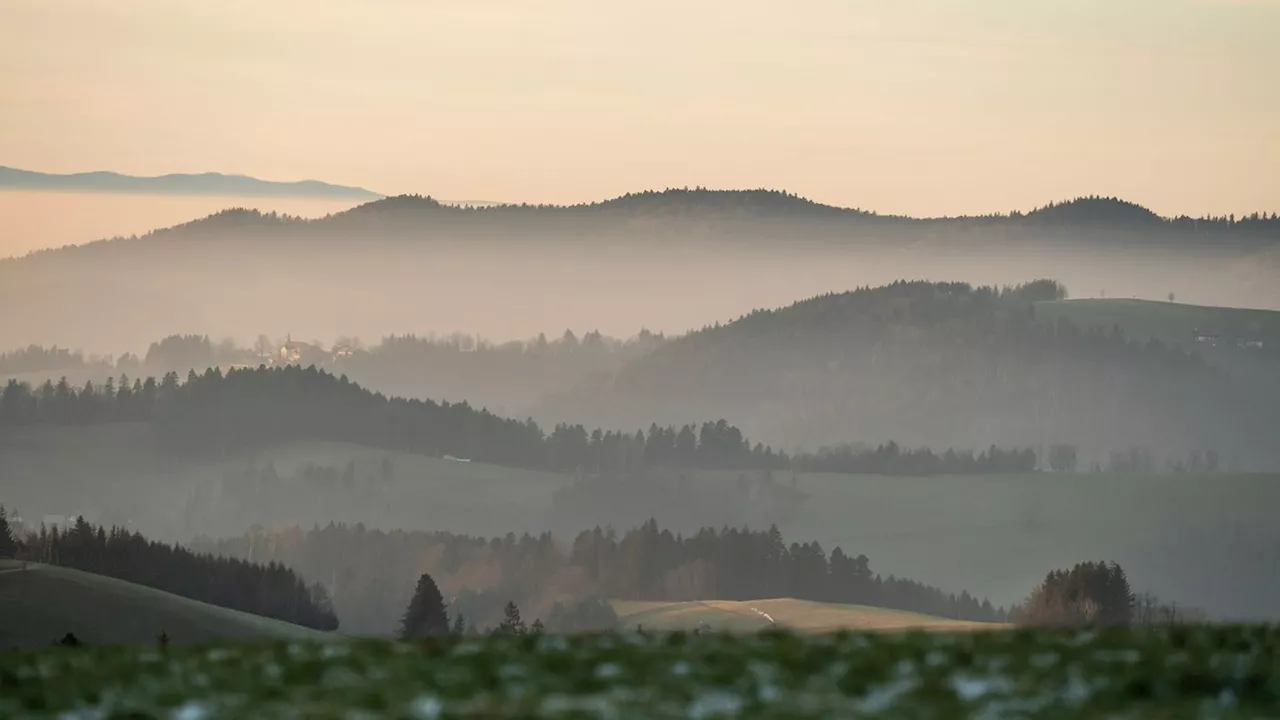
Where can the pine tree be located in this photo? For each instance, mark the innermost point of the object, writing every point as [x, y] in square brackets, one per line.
[537, 628]
[460, 624]
[425, 615]
[8, 543]
[511, 623]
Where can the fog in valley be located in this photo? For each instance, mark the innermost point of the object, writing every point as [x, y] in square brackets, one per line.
[666, 263]
[665, 359]
[965, 401]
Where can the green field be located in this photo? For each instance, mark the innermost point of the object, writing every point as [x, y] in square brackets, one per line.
[1169, 322]
[1204, 541]
[40, 603]
[799, 615]
[1183, 673]
[115, 474]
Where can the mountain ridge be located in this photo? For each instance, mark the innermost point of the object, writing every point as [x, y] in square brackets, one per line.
[730, 209]
[207, 183]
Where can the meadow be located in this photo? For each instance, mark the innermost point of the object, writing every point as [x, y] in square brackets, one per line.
[41, 603]
[1206, 541]
[804, 616]
[1169, 322]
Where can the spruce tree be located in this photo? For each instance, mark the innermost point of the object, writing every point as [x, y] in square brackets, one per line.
[8, 543]
[425, 615]
[511, 623]
[460, 624]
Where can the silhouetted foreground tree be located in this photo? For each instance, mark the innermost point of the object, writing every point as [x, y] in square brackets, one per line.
[425, 615]
[271, 590]
[1087, 594]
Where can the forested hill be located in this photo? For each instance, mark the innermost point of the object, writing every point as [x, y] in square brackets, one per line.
[175, 184]
[669, 261]
[1088, 218]
[943, 365]
[212, 414]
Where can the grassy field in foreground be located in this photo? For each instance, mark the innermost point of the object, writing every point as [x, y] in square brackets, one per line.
[40, 603]
[799, 615]
[1182, 673]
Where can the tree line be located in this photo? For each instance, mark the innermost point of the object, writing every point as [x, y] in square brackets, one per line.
[428, 615]
[271, 590]
[213, 413]
[942, 365]
[371, 574]
[509, 374]
[1096, 594]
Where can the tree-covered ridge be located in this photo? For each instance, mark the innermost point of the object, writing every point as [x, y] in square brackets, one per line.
[508, 377]
[1094, 209]
[214, 413]
[270, 590]
[1091, 212]
[36, 358]
[938, 365]
[371, 574]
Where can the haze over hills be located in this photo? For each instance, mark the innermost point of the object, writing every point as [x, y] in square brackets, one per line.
[669, 261]
[209, 183]
[903, 362]
[275, 448]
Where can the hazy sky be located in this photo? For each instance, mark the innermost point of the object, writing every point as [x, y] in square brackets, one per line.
[915, 106]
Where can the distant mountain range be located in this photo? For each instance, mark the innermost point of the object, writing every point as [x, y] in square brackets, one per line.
[666, 260]
[176, 184]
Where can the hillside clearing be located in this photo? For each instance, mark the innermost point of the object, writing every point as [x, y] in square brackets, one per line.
[1169, 322]
[115, 474]
[41, 603]
[800, 615]
[993, 535]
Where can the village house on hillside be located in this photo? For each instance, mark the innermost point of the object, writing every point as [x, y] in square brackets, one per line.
[1206, 336]
[1213, 339]
[293, 352]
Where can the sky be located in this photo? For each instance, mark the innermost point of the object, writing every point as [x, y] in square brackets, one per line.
[924, 107]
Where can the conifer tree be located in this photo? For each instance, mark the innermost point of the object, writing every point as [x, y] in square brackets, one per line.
[425, 615]
[511, 623]
[8, 543]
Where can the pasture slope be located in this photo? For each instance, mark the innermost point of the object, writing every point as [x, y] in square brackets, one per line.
[116, 474]
[1202, 540]
[41, 603]
[1170, 322]
[803, 616]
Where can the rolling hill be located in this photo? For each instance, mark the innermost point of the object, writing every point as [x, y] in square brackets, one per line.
[800, 615]
[116, 474]
[40, 603]
[669, 261]
[174, 184]
[944, 365]
[1203, 540]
